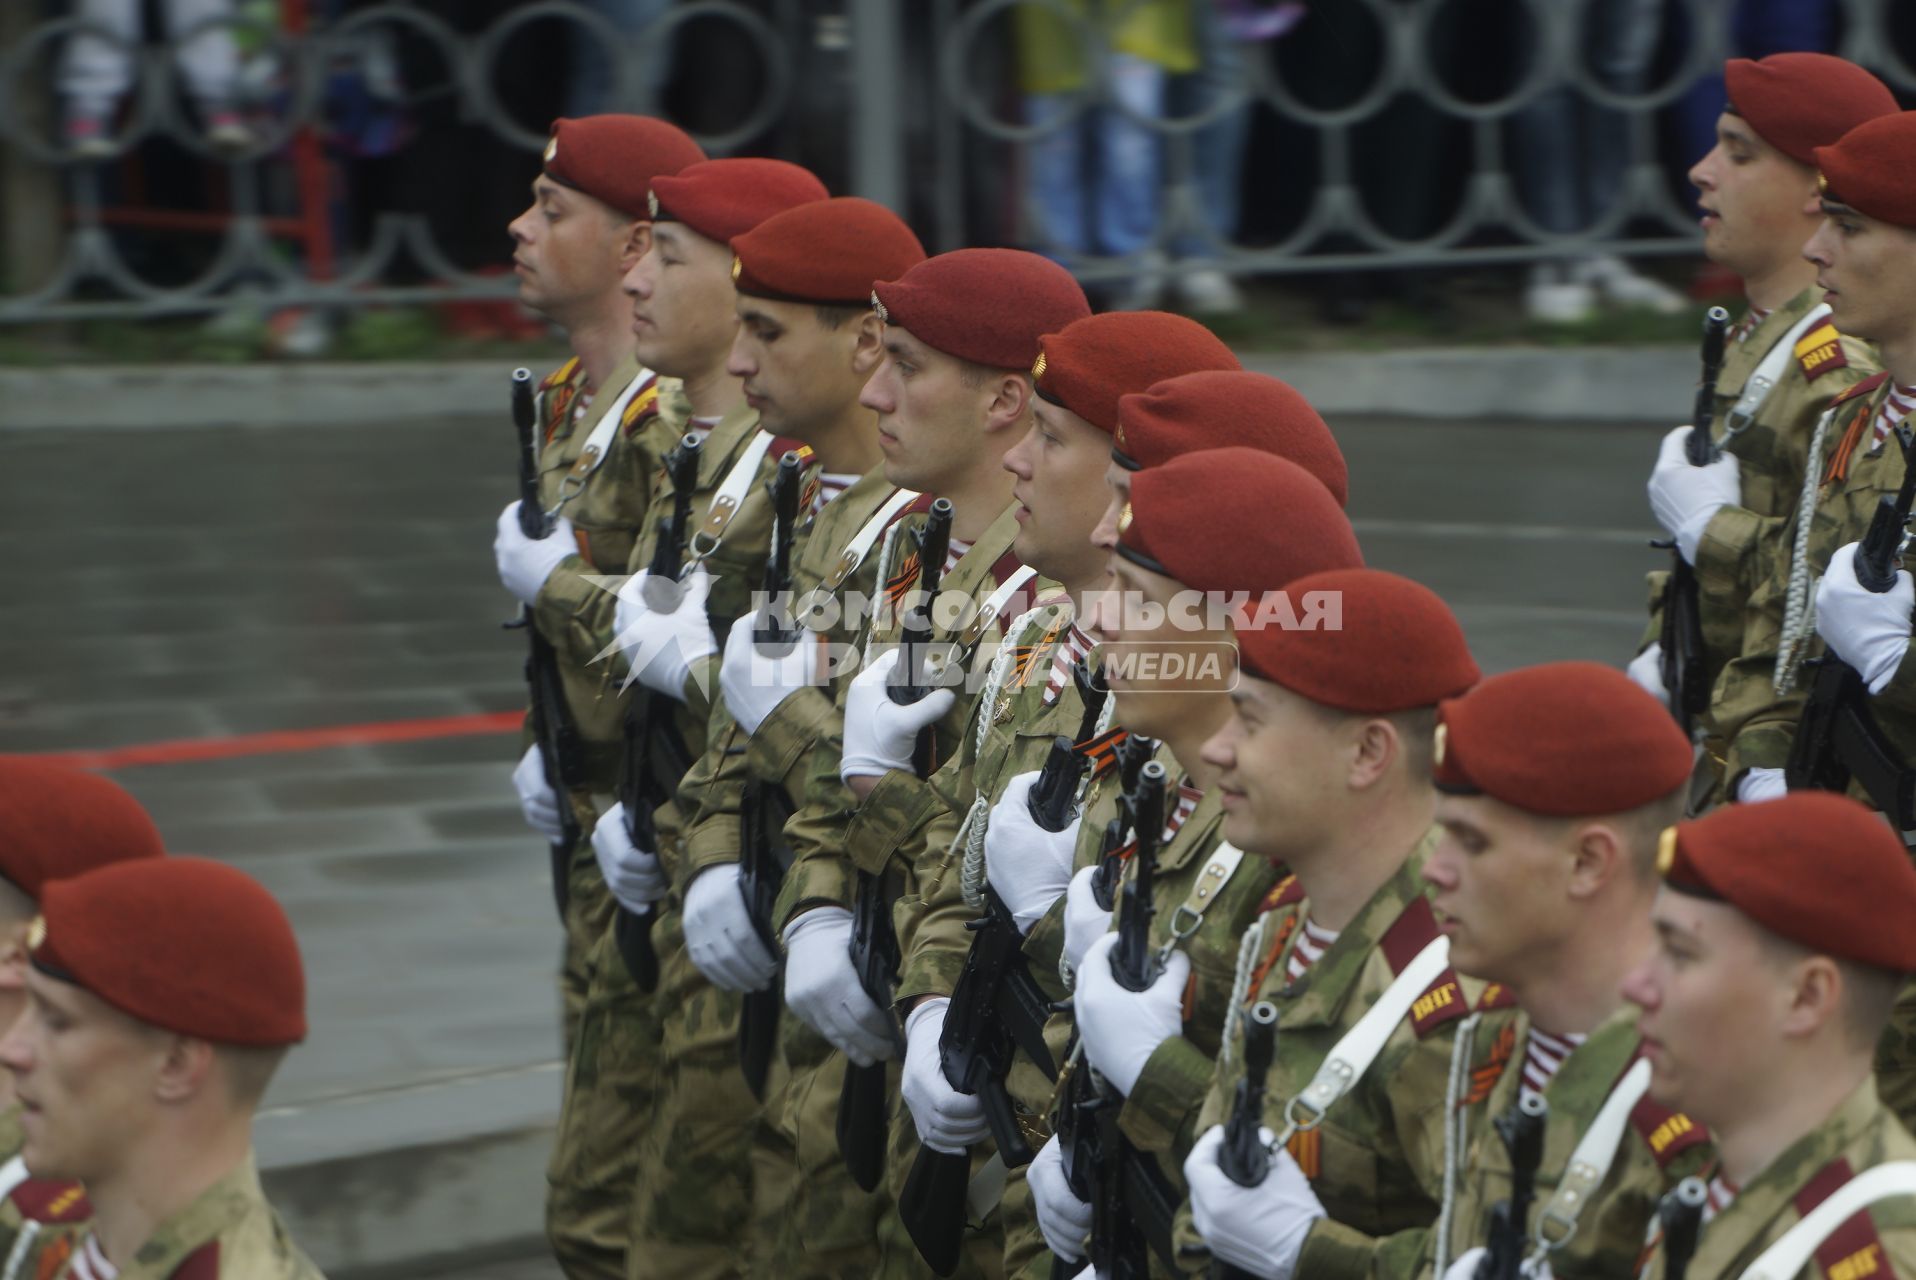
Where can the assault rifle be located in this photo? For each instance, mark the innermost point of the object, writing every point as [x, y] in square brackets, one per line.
[764, 807]
[996, 1009]
[1680, 1213]
[1838, 738]
[1133, 754]
[1521, 1129]
[560, 749]
[1684, 671]
[656, 756]
[1243, 1156]
[863, 1100]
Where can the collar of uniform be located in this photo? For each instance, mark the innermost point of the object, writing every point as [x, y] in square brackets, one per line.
[1338, 972]
[215, 1211]
[1740, 359]
[1201, 833]
[728, 435]
[603, 398]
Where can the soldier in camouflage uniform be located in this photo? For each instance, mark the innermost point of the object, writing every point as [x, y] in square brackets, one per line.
[1785, 363]
[806, 343]
[1326, 769]
[587, 225]
[1554, 784]
[953, 395]
[1155, 1048]
[682, 302]
[1760, 1004]
[162, 1139]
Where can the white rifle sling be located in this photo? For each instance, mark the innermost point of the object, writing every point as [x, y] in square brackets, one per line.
[731, 493]
[1799, 1244]
[1770, 371]
[1591, 1159]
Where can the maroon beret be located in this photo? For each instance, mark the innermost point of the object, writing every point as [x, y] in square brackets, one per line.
[988, 306]
[615, 158]
[1368, 642]
[1814, 867]
[58, 821]
[1798, 102]
[186, 944]
[1088, 366]
[827, 252]
[721, 199]
[1873, 169]
[1565, 739]
[1220, 408]
[1234, 520]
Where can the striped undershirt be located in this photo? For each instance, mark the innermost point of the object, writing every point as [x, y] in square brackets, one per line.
[89, 1263]
[1755, 317]
[1071, 650]
[1313, 940]
[1542, 1055]
[955, 554]
[701, 427]
[1721, 1193]
[1895, 407]
[830, 485]
[1188, 797]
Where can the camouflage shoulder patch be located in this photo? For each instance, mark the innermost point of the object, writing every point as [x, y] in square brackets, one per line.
[1854, 1250]
[1443, 1001]
[1667, 1133]
[1820, 351]
[51, 1201]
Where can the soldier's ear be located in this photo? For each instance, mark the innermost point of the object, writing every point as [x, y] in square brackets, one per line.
[638, 242]
[868, 345]
[1816, 996]
[185, 1070]
[1597, 857]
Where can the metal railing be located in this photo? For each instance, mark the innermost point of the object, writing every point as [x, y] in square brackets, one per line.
[934, 128]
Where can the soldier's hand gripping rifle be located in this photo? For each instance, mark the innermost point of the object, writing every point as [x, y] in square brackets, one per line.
[1521, 1129]
[996, 1009]
[1680, 1214]
[764, 807]
[1685, 674]
[863, 1100]
[1837, 738]
[656, 756]
[1243, 1157]
[560, 750]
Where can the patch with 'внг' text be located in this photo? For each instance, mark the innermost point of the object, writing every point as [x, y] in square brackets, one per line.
[1819, 351]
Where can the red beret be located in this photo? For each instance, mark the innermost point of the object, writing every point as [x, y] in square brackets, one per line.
[1798, 102]
[1234, 520]
[1566, 739]
[828, 252]
[1873, 169]
[1088, 366]
[186, 944]
[988, 306]
[1814, 867]
[1220, 408]
[615, 158]
[721, 199]
[58, 821]
[1388, 644]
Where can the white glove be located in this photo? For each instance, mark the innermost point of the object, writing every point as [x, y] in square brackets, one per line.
[1084, 920]
[1260, 1229]
[822, 988]
[1684, 497]
[538, 803]
[880, 733]
[1760, 784]
[719, 933]
[1122, 1029]
[1064, 1219]
[947, 1120]
[633, 874]
[1647, 670]
[525, 563]
[1465, 1268]
[1028, 866]
[660, 645]
[1867, 629]
[754, 684]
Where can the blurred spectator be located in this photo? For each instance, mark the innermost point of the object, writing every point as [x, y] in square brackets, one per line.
[590, 92]
[1571, 158]
[95, 72]
[1094, 180]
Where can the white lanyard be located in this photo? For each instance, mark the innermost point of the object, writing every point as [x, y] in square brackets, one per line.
[861, 544]
[995, 604]
[599, 443]
[1591, 1159]
[1799, 1244]
[1770, 371]
[731, 492]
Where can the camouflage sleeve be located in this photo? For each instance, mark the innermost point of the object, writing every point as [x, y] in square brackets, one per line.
[1899, 695]
[574, 614]
[1656, 582]
[711, 794]
[1161, 1113]
[808, 721]
[1044, 950]
[1764, 740]
[820, 874]
[899, 805]
[1333, 1251]
[933, 938]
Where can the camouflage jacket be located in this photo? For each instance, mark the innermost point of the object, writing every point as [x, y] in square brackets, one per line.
[229, 1231]
[41, 1219]
[1879, 1244]
[804, 722]
[607, 505]
[1376, 1160]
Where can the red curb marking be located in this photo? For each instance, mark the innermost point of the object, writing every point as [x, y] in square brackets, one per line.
[273, 742]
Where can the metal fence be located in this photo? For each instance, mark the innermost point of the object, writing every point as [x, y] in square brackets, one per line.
[1377, 133]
